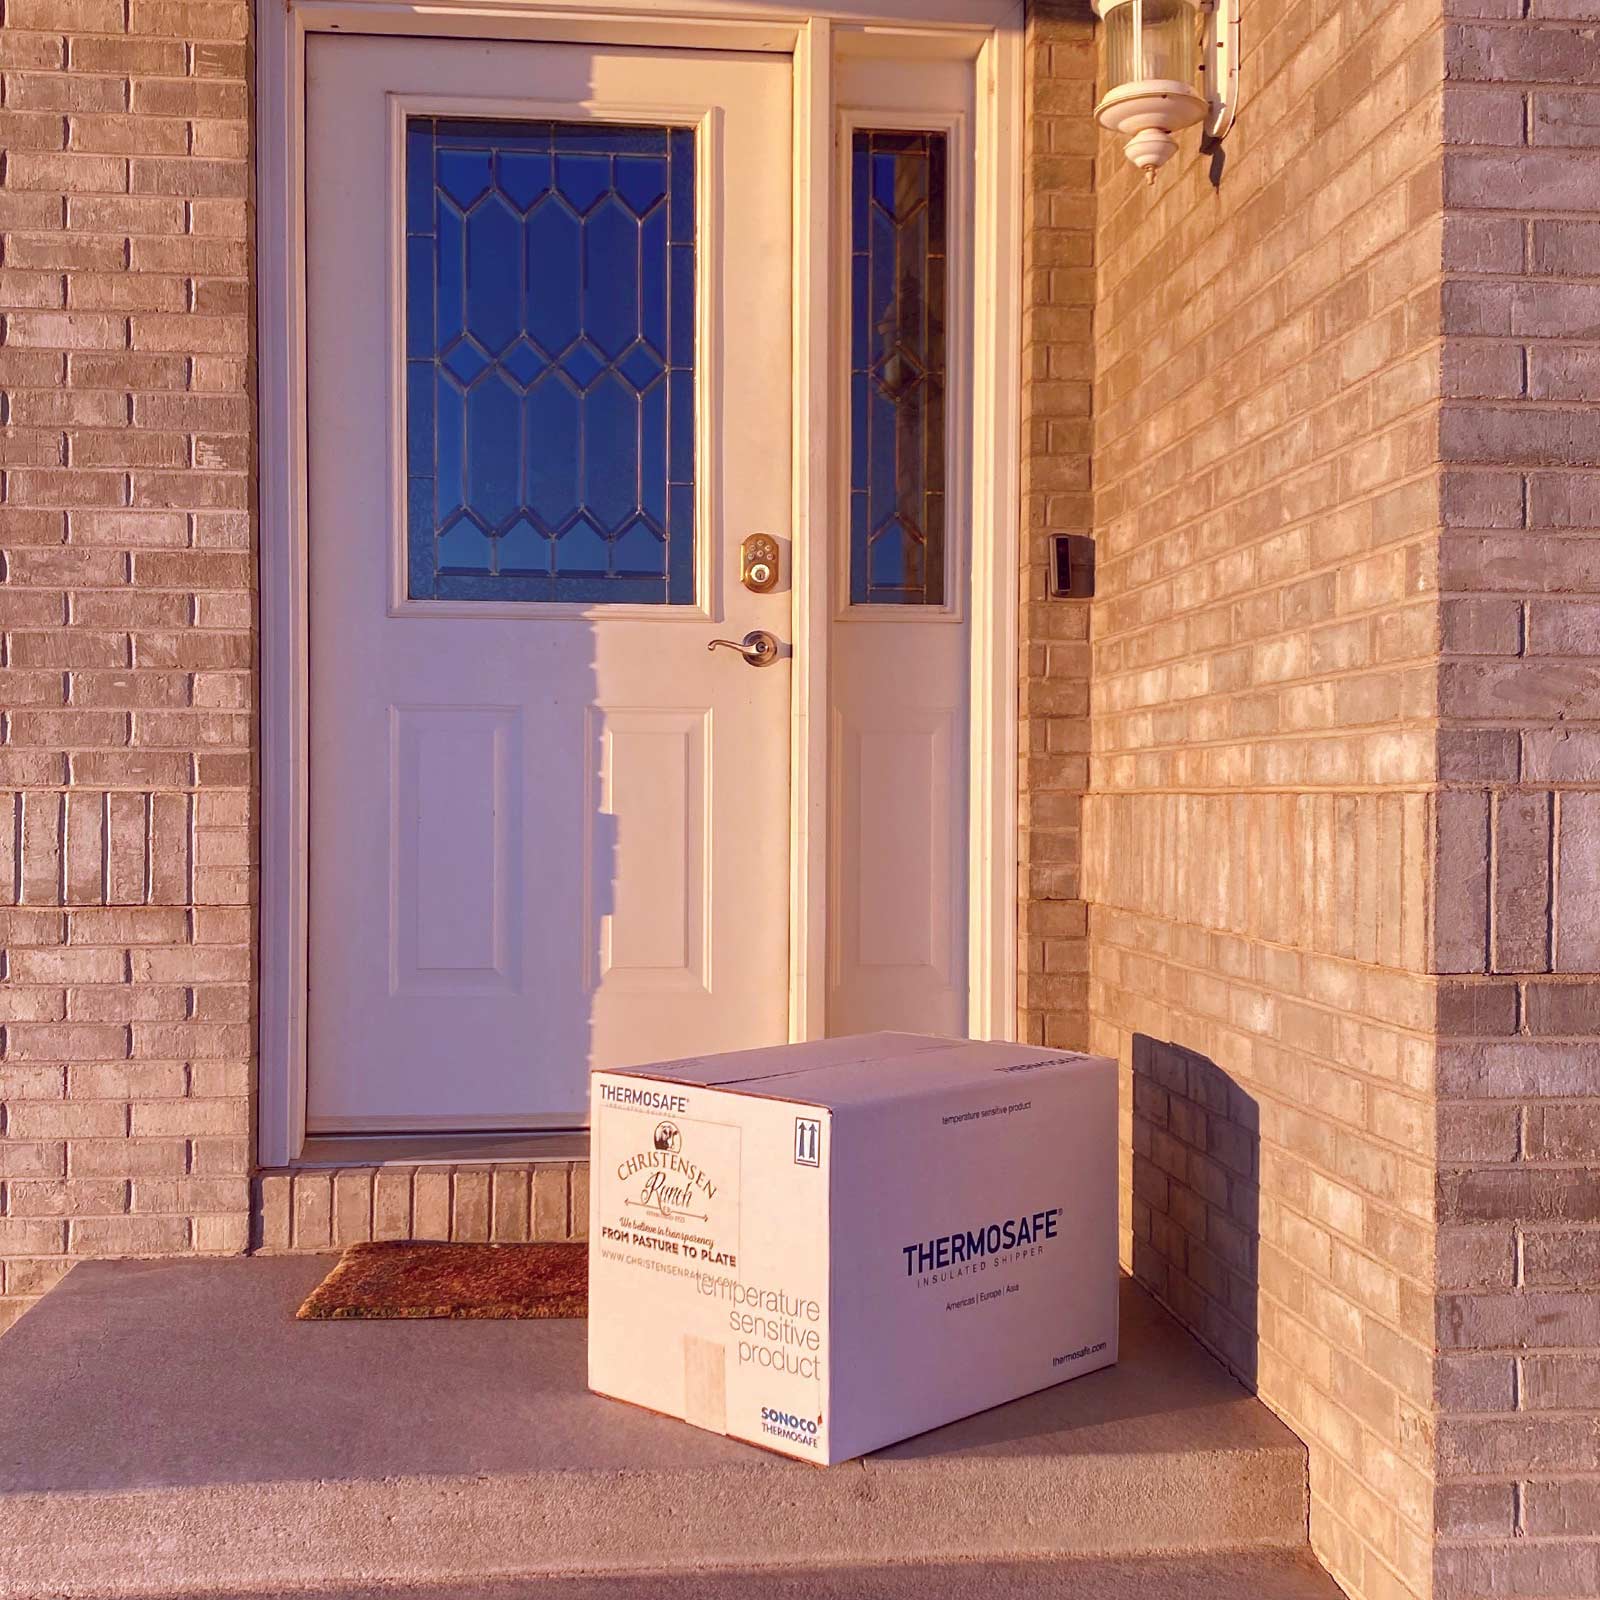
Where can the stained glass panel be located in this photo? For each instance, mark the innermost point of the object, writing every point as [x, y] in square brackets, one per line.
[898, 259]
[550, 351]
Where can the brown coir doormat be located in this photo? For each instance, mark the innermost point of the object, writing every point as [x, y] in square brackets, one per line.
[404, 1278]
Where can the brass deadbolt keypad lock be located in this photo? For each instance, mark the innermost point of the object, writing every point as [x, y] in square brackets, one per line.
[758, 563]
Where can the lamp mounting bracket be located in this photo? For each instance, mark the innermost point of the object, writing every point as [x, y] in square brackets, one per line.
[1219, 66]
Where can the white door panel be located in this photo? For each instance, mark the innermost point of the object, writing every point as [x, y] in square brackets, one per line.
[455, 829]
[898, 923]
[648, 902]
[545, 834]
[896, 900]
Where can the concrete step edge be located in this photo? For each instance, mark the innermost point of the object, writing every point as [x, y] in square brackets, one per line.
[1291, 1574]
[231, 1537]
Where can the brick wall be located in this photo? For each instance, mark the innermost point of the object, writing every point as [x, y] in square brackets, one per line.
[508, 1203]
[1058, 365]
[126, 842]
[1518, 868]
[1263, 743]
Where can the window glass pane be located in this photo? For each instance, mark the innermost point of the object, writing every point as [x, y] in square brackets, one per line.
[550, 361]
[897, 368]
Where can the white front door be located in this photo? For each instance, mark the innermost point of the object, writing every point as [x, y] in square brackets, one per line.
[548, 364]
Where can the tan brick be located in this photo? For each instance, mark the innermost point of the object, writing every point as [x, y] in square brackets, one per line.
[1522, 882]
[551, 1213]
[20, 1158]
[129, 1002]
[127, 1158]
[71, 330]
[27, 1277]
[80, 1198]
[273, 1211]
[32, 130]
[128, 1236]
[22, 49]
[188, 97]
[186, 333]
[470, 1205]
[169, 1118]
[67, 174]
[391, 1203]
[65, 1042]
[129, 925]
[60, 92]
[227, 1234]
[352, 1206]
[1570, 1009]
[189, 19]
[127, 1080]
[69, 16]
[32, 1236]
[311, 1211]
[1577, 932]
[579, 1191]
[430, 1203]
[513, 1198]
[122, 291]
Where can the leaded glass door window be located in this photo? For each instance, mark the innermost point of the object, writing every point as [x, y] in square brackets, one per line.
[550, 361]
[898, 289]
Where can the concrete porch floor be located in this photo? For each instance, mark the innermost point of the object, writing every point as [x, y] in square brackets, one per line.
[168, 1428]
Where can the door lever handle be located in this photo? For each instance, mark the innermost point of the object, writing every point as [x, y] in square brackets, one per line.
[758, 647]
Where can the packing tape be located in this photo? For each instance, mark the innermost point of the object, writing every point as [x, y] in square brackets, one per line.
[705, 1383]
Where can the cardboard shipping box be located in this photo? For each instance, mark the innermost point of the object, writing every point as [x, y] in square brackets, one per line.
[823, 1248]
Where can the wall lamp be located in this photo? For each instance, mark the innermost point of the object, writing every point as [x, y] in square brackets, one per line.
[1158, 82]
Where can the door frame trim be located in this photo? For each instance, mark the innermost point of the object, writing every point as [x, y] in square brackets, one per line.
[988, 32]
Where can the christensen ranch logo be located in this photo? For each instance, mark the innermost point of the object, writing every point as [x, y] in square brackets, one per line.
[669, 1185]
[662, 1180]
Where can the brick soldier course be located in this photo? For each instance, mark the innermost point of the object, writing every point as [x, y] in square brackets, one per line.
[1310, 791]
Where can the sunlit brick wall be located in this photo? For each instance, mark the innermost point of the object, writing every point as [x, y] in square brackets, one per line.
[509, 1203]
[1518, 899]
[1058, 366]
[126, 605]
[1264, 680]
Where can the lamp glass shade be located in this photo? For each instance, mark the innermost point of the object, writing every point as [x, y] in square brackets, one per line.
[1168, 40]
[1121, 45]
[1150, 40]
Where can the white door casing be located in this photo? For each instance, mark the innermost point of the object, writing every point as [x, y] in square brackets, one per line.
[899, 698]
[822, 53]
[543, 836]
